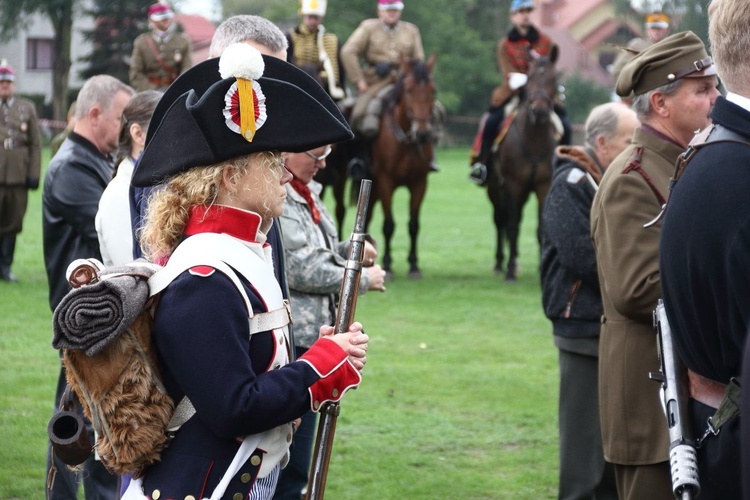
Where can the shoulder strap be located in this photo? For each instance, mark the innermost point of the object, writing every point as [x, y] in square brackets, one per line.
[182, 261]
[635, 165]
[152, 47]
[710, 135]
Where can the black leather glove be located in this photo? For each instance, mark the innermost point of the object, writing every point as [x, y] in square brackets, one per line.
[32, 183]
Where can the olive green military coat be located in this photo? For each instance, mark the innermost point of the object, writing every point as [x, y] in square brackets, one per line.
[20, 160]
[634, 428]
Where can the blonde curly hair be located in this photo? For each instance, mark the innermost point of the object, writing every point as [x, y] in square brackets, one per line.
[169, 207]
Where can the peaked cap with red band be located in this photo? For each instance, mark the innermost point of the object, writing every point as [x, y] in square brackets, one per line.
[6, 72]
[265, 105]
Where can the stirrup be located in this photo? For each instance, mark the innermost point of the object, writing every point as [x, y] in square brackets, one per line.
[478, 174]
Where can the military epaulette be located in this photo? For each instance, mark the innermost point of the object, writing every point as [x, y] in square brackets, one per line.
[202, 271]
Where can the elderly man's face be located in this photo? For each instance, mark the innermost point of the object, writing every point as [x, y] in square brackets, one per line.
[690, 106]
[610, 147]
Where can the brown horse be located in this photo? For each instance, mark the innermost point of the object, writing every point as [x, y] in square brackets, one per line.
[402, 151]
[522, 163]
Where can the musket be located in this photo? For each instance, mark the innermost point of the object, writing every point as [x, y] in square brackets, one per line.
[683, 459]
[329, 412]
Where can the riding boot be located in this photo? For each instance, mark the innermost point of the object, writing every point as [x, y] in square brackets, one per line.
[357, 168]
[479, 170]
[370, 125]
[7, 249]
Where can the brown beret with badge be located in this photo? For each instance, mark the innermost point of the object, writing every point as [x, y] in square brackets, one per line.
[250, 104]
[681, 55]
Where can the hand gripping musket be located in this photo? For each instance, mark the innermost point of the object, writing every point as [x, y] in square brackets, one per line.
[673, 378]
[329, 412]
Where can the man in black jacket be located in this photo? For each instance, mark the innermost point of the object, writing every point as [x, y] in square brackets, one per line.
[75, 180]
[571, 298]
[704, 256]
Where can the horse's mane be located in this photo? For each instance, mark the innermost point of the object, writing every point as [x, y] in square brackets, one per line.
[421, 74]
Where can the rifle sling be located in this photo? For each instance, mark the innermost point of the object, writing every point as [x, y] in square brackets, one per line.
[728, 409]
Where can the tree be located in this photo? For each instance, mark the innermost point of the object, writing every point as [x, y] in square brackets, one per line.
[18, 13]
[116, 25]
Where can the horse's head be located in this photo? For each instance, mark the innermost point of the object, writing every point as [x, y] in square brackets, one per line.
[541, 87]
[417, 90]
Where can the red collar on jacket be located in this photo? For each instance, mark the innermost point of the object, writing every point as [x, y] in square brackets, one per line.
[222, 219]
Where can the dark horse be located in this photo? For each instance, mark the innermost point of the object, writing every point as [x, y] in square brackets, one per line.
[522, 163]
[402, 151]
[335, 173]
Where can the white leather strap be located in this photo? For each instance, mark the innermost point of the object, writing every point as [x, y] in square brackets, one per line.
[278, 318]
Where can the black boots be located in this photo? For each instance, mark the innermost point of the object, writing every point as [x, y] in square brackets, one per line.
[7, 248]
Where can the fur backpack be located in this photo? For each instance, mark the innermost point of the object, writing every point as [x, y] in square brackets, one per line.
[103, 327]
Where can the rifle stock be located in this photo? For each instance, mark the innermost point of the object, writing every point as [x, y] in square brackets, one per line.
[683, 459]
[329, 412]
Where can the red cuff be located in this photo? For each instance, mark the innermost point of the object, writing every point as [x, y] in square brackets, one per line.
[337, 374]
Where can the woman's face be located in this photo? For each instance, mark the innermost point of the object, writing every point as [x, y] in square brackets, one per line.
[260, 189]
[306, 165]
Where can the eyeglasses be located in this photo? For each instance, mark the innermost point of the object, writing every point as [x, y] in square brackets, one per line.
[321, 157]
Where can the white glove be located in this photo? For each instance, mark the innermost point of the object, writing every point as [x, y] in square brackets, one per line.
[517, 80]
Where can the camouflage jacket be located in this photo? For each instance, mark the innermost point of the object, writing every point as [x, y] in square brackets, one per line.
[315, 260]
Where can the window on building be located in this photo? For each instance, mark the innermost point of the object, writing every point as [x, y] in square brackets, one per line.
[39, 53]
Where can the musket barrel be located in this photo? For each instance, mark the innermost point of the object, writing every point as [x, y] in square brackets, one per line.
[344, 317]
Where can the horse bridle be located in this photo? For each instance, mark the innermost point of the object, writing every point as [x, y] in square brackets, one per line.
[402, 136]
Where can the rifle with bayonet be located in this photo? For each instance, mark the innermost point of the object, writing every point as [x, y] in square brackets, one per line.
[683, 459]
[329, 412]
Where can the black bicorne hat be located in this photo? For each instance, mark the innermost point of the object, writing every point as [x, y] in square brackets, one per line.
[284, 110]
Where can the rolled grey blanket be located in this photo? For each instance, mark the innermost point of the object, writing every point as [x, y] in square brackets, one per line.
[90, 317]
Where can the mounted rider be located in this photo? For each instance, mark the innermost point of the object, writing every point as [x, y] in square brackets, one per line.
[311, 46]
[514, 55]
[371, 57]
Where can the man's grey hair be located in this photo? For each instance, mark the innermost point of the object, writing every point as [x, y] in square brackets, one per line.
[240, 29]
[603, 120]
[99, 91]
[729, 39]
[642, 103]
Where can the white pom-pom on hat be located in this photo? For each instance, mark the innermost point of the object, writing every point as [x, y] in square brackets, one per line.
[240, 60]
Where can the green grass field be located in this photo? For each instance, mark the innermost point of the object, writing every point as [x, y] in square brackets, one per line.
[459, 395]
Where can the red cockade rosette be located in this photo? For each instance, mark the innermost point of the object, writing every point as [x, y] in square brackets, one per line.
[245, 104]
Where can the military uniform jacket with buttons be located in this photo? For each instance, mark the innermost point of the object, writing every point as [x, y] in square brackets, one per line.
[314, 259]
[147, 73]
[634, 429]
[205, 352]
[374, 42]
[20, 150]
[304, 51]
